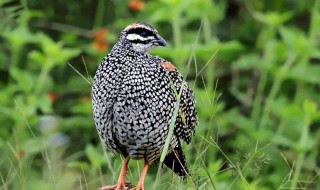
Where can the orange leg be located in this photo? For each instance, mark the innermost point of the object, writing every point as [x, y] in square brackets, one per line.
[140, 185]
[121, 180]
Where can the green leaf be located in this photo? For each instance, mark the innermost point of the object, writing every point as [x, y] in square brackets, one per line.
[161, 14]
[95, 157]
[246, 61]
[282, 141]
[305, 73]
[309, 107]
[53, 52]
[273, 18]
[38, 57]
[33, 146]
[23, 78]
[19, 37]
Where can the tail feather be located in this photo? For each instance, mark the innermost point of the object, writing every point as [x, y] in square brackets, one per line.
[176, 161]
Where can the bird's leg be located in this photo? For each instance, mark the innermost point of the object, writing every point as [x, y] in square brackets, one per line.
[121, 180]
[140, 185]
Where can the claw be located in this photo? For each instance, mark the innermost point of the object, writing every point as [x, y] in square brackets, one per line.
[122, 183]
[111, 187]
[119, 186]
[138, 188]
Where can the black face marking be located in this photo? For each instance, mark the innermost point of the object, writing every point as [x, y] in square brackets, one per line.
[140, 41]
[141, 31]
[144, 34]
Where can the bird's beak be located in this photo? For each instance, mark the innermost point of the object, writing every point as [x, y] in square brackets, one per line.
[161, 41]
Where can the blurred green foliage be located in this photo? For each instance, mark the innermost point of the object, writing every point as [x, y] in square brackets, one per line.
[255, 72]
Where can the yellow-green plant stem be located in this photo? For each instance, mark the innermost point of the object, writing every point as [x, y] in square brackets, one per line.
[315, 14]
[211, 66]
[274, 90]
[307, 118]
[41, 80]
[175, 22]
[98, 19]
[16, 54]
[256, 110]
[301, 152]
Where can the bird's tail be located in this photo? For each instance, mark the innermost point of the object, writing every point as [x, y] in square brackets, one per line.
[176, 161]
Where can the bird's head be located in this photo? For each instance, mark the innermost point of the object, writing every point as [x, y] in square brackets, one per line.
[142, 37]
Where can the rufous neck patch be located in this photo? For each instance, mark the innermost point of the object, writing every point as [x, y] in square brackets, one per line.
[168, 66]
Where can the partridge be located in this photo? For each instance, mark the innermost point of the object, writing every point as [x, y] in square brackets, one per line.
[133, 99]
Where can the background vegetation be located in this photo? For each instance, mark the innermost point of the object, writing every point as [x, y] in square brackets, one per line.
[254, 69]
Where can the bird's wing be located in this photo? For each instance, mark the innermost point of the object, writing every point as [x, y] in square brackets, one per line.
[103, 102]
[187, 118]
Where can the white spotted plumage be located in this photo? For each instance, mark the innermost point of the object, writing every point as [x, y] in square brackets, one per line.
[133, 100]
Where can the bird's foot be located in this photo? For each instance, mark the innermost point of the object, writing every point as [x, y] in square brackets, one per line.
[118, 186]
[138, 188]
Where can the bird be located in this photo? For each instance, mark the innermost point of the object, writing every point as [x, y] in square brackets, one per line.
[133, 102]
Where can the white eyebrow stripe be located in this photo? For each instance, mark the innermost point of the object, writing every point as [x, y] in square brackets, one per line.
[138, 37]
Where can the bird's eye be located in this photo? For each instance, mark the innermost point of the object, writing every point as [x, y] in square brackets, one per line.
[143, 34]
